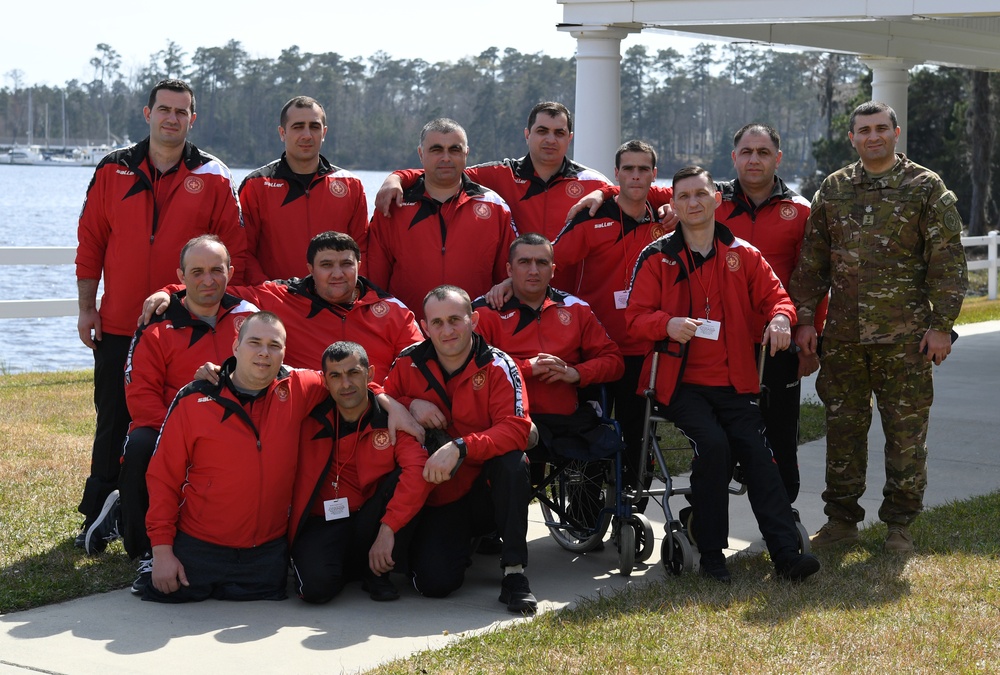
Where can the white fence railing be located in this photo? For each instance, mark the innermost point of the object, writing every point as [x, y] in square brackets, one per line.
[989, 240]
[65, 255]
[38, 255]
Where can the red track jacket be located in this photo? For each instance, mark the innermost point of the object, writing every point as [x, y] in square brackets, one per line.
[223, 471]
[463, 242]
[376, 320]
[563, 326]
[166, 352]
[281, 216]
[776, 228]
[485, 403]
[373, 456]
[538, 206]
[661, 290]
[137, 245]
[607, 244]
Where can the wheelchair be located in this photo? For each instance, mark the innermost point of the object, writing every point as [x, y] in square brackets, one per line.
[578, 486]
[677, 546]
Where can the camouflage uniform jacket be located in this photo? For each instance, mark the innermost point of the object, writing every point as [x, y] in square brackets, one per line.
[889, 249]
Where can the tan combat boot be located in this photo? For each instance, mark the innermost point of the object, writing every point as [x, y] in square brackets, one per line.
[834, 532]
[899, 539]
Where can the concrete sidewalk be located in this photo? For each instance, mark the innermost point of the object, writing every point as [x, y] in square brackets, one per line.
[116, 633]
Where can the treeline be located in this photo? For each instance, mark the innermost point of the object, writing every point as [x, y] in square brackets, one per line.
[687, 105]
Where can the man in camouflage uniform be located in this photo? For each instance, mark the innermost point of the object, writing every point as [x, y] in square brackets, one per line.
[884, 237]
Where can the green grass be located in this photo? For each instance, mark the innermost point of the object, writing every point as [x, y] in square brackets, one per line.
[47, 423]
[977, 309]
[866, 612]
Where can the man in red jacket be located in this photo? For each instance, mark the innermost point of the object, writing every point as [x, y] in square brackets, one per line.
[539, 187]
[144, 203]
[471, 394]
[297, 196]
[698, 289]
[554, 338]
[355, 492]
[164, 356]
[449, 230]
[333, 302]
[221, 479]
[758, 207]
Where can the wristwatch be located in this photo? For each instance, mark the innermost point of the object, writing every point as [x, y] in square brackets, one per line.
[463, 450]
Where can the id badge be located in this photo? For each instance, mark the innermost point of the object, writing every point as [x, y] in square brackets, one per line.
[621, 299]
[708, 329]
[335, 509]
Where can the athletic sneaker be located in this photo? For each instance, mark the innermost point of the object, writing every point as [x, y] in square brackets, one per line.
[713, 566]
[105, 528]
[380, 588]
[145, 570]
[799, 567]
[514, 591]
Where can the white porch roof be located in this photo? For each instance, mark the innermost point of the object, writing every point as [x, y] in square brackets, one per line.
[891, 36]
[964, 33]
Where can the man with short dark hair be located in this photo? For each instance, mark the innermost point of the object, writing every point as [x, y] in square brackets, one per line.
[143, 204]
[470, 394]
[885, 239]
[553, 337]
[211, 536]
[355, 491]
[297, 196]
[606, 246]
[539, 187]
[450, 230]
[332, 302]
[758, 207]
[698, 289]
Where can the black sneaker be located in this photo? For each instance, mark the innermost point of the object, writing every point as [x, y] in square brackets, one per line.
[514, 591]
[145, 570]
[81, 538]
[799, 567]
[713, 566]
[104, 530]
[380, 588]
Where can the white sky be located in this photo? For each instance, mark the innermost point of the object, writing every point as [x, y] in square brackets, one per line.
[52, 42]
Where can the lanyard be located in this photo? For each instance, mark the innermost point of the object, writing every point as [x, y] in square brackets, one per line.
[698, 274]
[647, 217]
[336, 452]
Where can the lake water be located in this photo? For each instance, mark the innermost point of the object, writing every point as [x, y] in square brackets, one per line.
[40, 206]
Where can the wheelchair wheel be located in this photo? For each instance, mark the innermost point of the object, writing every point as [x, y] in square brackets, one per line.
[626, 547]
[574, 505]
[645, 539]
[804, 546]
[686, 517]
[681, 559]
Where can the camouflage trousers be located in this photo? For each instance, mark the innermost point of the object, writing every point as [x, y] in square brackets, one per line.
[900, 378]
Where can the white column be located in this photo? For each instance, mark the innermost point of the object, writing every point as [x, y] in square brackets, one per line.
[598, 114]
[890, 78]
